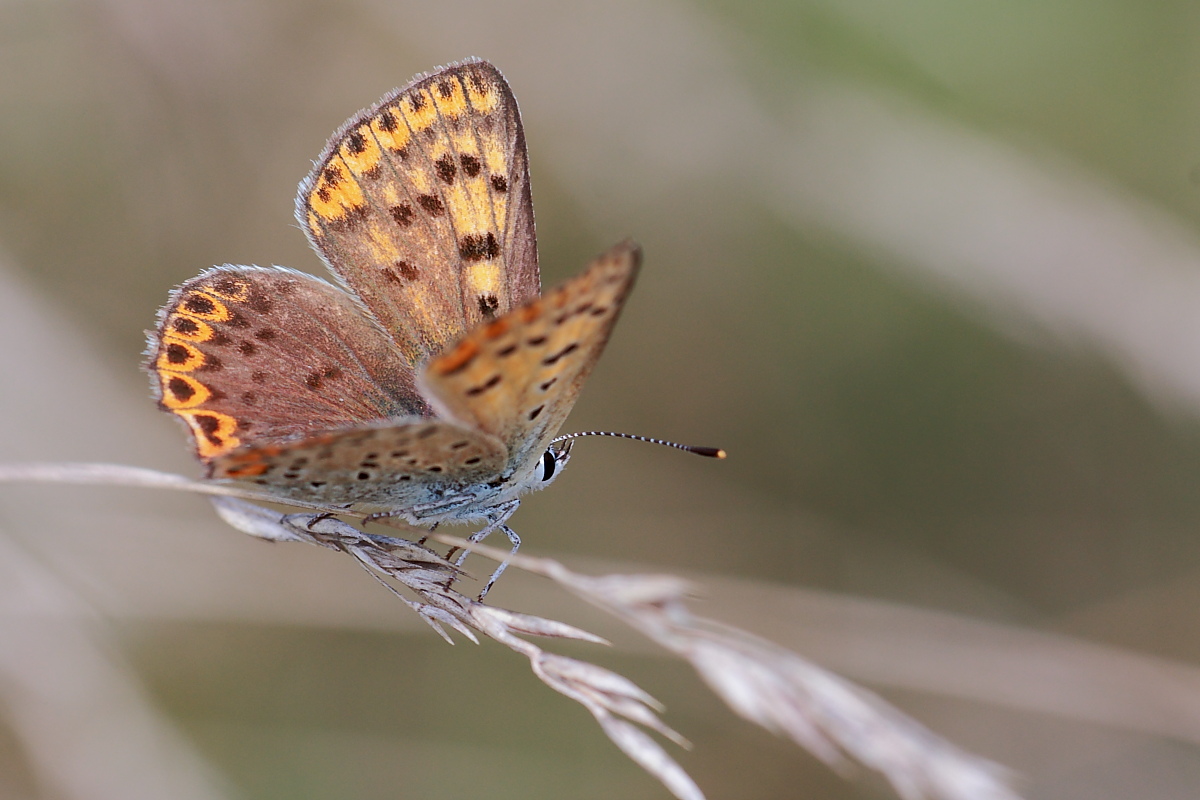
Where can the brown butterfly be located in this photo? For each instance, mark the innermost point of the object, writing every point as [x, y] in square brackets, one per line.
[431, 383]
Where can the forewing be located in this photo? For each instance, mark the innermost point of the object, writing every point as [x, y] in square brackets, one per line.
[421, 205]
[249, 354]
[518, 376]
[389, 465]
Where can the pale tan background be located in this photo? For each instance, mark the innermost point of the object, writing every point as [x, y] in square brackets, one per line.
[928, 271]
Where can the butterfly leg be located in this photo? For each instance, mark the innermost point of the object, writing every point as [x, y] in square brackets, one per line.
[515, 540]
[425, 538]
[501, 515]
[305, 521]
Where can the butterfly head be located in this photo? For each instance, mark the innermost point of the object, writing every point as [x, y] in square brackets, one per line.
[548, 467]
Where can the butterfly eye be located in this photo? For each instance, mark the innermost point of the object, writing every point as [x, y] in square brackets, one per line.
[549, 465]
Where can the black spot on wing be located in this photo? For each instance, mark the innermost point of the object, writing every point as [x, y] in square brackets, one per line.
[209, 425]
[491, 382]
[479, 247]
[356, 142]
[403, 214]
[180, 389]
[488, 304]
[553, 359]
[432, 204]
[177, 353]
[187, 327]
[199, 304]
[445, 168]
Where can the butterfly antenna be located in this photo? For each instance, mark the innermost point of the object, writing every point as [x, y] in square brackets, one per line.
[710, 452]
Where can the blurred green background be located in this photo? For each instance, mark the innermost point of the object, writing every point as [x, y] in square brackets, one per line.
[928, 271]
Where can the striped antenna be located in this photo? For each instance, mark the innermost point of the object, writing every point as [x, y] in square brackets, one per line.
[710, 452]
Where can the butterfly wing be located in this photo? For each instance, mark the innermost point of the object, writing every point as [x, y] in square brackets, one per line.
[387, 466]
[518, 376]
[252, 354]
[421, 205]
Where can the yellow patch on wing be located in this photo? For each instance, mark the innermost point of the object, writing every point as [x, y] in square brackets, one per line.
[182, 391]
[484, 95]
[466, 195]
[449, 97]
[178, 355]
[389, 129]
[391, 195]
[421, 181]
[471, 161]
[314, 224]
[484, 277]
[494, 154]
[214, 432]
[188, 328]
[360, 151]
[495, 157]
[385, 253]
[467, 210]
[204, 306]
[235, 291]
[500, 210]
[419, 111]
[383, 249]
[336, 193]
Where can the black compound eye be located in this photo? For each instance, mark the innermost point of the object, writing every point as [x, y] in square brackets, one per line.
[549, 465]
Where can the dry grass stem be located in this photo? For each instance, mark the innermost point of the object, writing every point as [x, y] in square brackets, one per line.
[138, 477]
[612, 699]
[762, 682]
[777, 689]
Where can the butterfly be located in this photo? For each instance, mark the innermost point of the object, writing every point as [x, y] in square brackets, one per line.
[430, 381]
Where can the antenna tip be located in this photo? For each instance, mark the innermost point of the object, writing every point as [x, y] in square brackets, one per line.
[711, 452]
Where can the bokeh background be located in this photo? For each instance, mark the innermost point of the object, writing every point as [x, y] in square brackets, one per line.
[929, 271]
